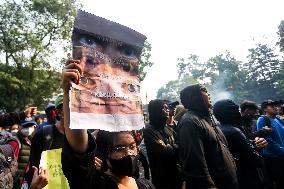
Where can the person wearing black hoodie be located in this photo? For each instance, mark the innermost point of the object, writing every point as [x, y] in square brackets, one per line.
[161, 148]
[205, 158]
[248, 160]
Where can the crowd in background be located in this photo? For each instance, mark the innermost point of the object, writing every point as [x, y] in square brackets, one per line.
[192, 144]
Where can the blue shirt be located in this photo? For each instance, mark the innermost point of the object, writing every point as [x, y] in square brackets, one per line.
[275, 147]
[42, 125]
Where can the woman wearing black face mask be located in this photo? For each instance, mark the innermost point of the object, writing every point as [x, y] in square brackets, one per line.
[119, 153]
[117, 150]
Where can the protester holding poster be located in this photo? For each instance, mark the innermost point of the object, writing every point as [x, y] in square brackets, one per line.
[105, 95]
[107, 89]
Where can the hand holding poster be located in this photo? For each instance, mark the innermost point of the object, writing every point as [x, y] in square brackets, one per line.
[107, 96]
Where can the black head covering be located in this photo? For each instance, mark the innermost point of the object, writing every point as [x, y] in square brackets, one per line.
[248, 105]
[192, 100]
[156, 115]
[86, 23]
[227, 112]
[266, 103]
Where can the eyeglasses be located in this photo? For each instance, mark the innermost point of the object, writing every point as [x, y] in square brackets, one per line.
[122, 150]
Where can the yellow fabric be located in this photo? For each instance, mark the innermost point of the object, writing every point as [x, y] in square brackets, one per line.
[51, 160]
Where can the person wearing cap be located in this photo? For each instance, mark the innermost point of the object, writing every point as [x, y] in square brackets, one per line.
[24, 134]
[10, 146]
[10, 119]
[47, 138]
[249, 112]
[39, 119]
[51, 116]
[172, 111]
[274, 153]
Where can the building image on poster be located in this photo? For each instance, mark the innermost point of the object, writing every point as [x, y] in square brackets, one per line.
[107, 96]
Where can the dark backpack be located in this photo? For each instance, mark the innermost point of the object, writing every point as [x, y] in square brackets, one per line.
[9, 175]
[47, 134]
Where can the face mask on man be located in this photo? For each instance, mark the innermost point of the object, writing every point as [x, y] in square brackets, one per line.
[125, 166]
[27, 131]
[249, 117]
[14, 131]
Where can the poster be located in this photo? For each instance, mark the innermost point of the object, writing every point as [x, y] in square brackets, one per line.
[108, 95]
[51, 161]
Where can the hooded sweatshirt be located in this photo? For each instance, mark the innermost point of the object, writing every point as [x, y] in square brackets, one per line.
[248, 159]
[161, 147]
[205, 159]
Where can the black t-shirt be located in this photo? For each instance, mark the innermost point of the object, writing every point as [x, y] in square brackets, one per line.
[47, 138]
[80, 171]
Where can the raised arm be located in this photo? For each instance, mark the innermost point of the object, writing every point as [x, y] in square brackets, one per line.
[77, 138]
[15, 117]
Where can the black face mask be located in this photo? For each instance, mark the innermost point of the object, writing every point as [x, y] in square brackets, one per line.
[125, 166]
[58, 118]
[249, 117]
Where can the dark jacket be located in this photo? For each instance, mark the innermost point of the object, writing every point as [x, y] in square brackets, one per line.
[11, 118]
[47, 138]
[81, 173]
[9, 175]
[161, 148]
[205, 158]
[247, 158]
[24, 154]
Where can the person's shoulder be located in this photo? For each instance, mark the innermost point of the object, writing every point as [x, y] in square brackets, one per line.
[235, 129]
[150, 128]
[41, 133]
[261, 119]
[41, 125]
[237, 132]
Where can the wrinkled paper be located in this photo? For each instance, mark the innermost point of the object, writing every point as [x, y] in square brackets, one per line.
[107, 97]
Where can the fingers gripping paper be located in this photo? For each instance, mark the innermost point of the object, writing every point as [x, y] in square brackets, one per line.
[107, 96]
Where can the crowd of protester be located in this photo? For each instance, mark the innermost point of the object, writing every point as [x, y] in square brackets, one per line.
[194, 145]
